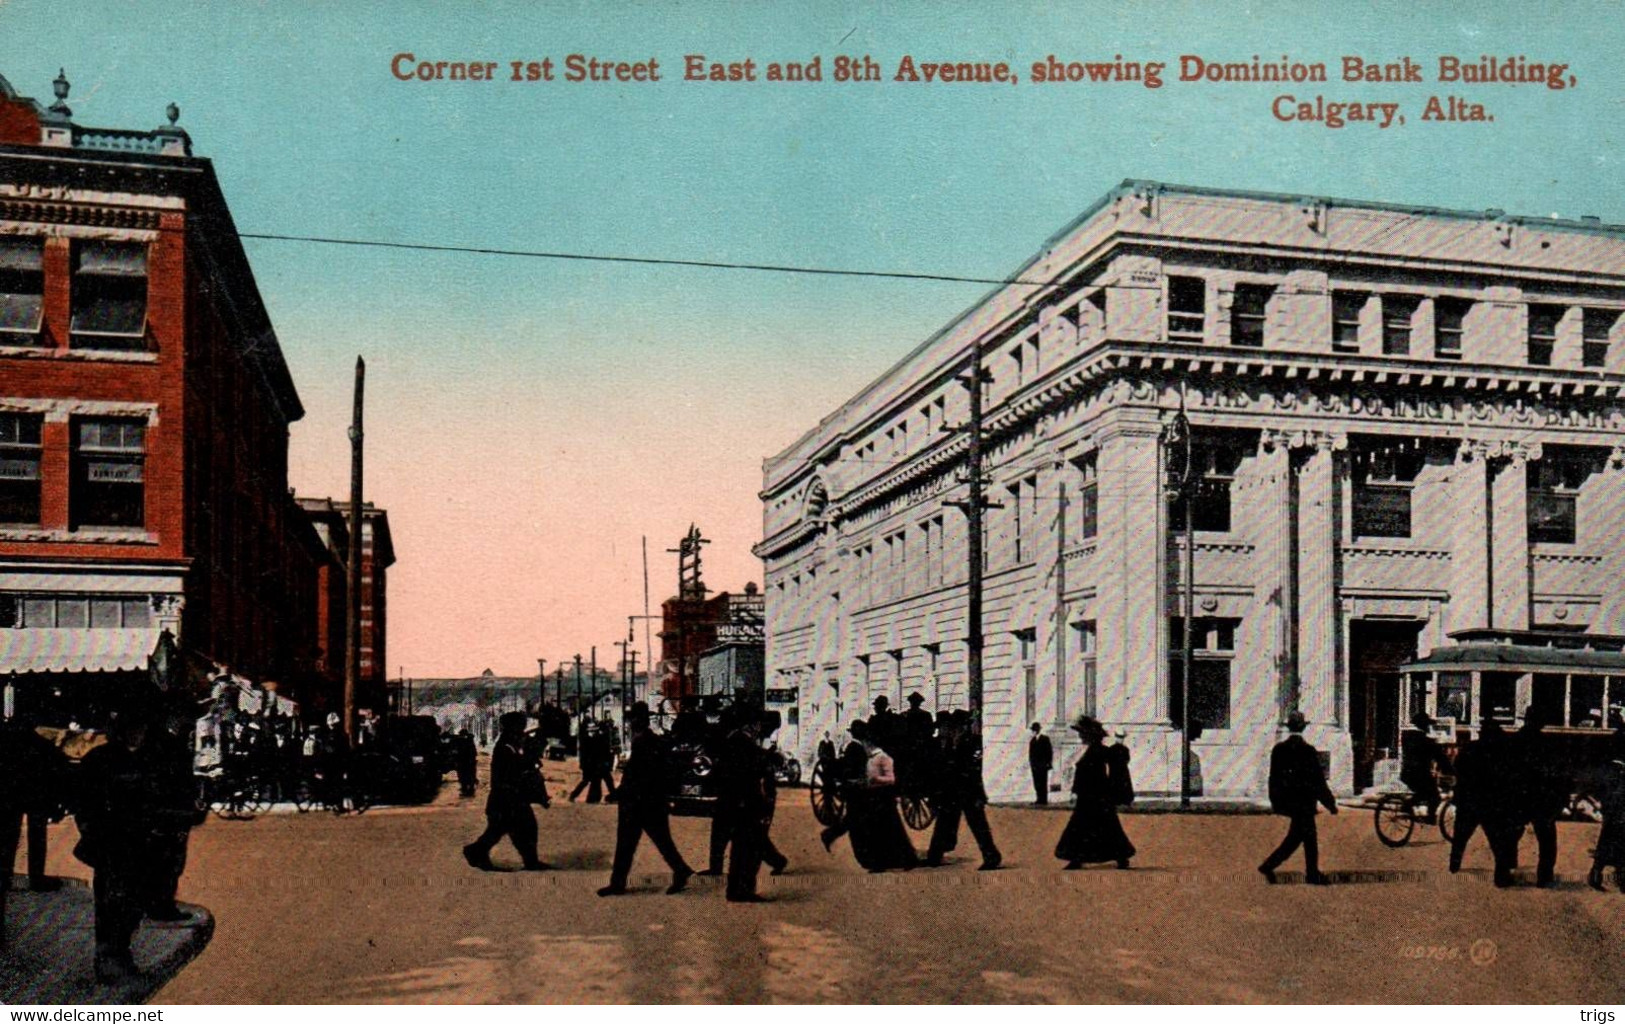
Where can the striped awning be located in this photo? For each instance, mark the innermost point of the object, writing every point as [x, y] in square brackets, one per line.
[75, 650]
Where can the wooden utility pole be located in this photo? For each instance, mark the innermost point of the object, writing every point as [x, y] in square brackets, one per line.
[974, 507]
[352, 625]
[541, 684]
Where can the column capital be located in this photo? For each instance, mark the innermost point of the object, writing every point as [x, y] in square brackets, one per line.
[1323, 440]
[1484, 450]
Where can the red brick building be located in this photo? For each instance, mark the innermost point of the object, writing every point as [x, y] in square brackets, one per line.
[144, 414]
[332, 522]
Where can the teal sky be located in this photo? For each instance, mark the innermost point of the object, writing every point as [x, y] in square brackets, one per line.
[530, 419]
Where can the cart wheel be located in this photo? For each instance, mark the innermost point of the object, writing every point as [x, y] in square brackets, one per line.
[918, 812]
[1447, 820]
[1394, 820]
[827, 805]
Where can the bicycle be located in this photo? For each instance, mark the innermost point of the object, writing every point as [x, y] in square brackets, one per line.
[1395, 818]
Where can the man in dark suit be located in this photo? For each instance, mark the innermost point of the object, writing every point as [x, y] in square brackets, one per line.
[1040, 758]
[1542, 790]
[31, 783]
[1297, 784]
[516, 783]
[960, 794]
[642, 808]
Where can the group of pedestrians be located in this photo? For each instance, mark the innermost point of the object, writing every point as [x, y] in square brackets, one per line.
[134, 800]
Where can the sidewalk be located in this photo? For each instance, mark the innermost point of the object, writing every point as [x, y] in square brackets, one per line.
[49, 958]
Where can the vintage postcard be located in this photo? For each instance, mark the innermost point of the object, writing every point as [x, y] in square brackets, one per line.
[811, 503]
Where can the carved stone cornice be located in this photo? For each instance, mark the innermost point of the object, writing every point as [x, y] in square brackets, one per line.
[87, 216]
[1487, 449]
[1323, 440]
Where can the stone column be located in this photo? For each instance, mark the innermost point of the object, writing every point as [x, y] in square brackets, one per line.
[1130, 570]
[1509, 536]
[1611, 512]
[1276, 557]
[1470, 553]
[1317, 610]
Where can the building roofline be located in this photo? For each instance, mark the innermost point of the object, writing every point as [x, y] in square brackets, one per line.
[1130, 186]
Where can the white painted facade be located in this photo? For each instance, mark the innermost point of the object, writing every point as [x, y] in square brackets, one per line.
[1391, 397]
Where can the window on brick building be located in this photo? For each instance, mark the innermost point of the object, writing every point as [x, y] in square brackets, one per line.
[22, 290]
[1383, 481]
[1213, 465]
[1187, 309]
[1449, 319]
[20, 451]
[1397, 313]
[1554, 490]
[1543, 333]
[1599, 324]
[1346, 307]
[109, 462]
[109, 296]
[1247, 312]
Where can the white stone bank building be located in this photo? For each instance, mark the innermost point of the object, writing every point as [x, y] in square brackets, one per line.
[1407, 423]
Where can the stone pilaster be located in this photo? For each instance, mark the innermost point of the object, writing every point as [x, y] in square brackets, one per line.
[1130, 570]
[1610, 508]
[1509, 535]
[1470, 553]
[1276, 558]
[1318, 622]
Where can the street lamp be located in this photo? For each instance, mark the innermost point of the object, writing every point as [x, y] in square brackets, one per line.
[1180, 478]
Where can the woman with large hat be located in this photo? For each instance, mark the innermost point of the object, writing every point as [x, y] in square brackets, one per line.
[1094, 835]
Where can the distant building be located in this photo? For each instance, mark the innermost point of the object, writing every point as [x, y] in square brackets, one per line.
[694, 624]
[144, 415]
[332, 522]
[1406, 427]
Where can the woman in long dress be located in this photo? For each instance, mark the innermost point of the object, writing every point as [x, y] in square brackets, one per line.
[1611, 840]
[879, 840]
[1094, 835]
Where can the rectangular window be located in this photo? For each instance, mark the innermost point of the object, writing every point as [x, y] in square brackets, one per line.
[1455, 697]
[1027, 671]
[1346, 307]
[1397, 314]
[137, 612]
[1543, 333]
[1187, 309]
[109, 296]
[108, 487]
[20, 450]
[1586, 702]
[1554, 491]
[1247, 312]
[1086, 644]
[1089, 496]
[1023, 499]
[1209, 692]
[1214, 464]
[22, 290]
[1599, 324]
[1383, 481]
[39, 613]
[1449, 318]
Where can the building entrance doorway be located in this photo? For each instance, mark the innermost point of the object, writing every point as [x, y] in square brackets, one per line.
[1376, 650]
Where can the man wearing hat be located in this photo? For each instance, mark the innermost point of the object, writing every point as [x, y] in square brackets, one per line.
[642, 809]
[960, 794]
[516, 783]
[1419, 755]
[1040, 758]
[1297, 785]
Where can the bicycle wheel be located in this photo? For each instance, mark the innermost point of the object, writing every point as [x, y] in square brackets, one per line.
[917, 811]
[1394, 821]
[1447, 820]
[827, 805]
